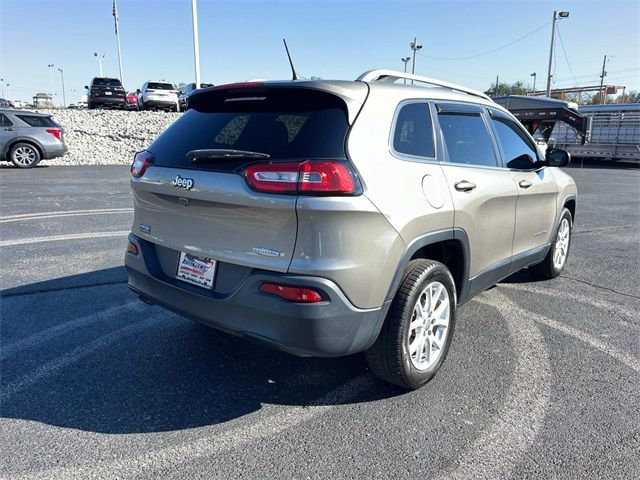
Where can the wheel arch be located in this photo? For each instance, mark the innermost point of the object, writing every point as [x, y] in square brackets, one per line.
[28, 140]
[450, 247]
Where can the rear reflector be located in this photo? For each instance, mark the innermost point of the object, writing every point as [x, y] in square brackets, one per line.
[132, 248]
[325, 177]
[141, 162]
[56, 132]
[292, 294]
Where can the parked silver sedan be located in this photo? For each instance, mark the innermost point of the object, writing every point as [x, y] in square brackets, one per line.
[27, 137]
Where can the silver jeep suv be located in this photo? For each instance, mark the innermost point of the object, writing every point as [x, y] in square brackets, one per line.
[333, 217]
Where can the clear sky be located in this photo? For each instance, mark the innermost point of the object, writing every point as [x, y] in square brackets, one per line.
[240, 40]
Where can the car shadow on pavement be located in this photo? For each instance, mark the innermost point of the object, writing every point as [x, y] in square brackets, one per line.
[170, 374]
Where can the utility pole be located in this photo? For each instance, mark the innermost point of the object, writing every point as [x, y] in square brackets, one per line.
[414, 47]
[602, 75]
[405, 60]
[196, 43]
[534, 75]
[495, 92]
[51, 65]
[556, 16]
[64, 98]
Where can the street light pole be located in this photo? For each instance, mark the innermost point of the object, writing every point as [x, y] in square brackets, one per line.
[556, 16]
[51, 65]
[196, 43]
[534, 75]
[1, 88]
[414, 47]
[405, 60]
[64, 98]
[100, 58]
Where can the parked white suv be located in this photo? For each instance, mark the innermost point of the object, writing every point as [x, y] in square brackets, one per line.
[157, 96]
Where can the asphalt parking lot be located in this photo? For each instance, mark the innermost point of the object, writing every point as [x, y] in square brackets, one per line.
[542, 381]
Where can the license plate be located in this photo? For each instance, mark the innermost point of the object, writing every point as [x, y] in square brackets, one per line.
[196, 270]
[108, 93]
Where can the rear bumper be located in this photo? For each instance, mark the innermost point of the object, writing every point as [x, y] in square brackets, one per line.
[330, 328]
[162, 103]
[56, 152]
[108, 101]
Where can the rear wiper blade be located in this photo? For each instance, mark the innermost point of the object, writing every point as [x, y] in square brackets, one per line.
[222, 153]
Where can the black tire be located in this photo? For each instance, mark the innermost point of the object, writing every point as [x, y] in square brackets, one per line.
[24, 155]
[547, 269]
[389, 358]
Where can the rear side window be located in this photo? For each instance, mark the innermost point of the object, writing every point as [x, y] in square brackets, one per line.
[466, 139]
[516, 147]
[106, 82]
[4, 121]
[37, 121]
[297, 124]
[413, 133]
[160, 86]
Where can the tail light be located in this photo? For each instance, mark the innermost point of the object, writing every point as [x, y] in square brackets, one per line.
[141, 162]
[311, 177]
[119, 89]
[292, 294]
[56, 132]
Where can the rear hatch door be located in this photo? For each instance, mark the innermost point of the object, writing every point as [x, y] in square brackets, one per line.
[205, 206]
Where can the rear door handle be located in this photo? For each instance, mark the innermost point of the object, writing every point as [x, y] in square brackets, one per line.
[524, 184]
[464, 186]
[8, 129]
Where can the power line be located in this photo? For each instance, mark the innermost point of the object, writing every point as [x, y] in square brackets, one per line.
[467, 57]
[565, 54]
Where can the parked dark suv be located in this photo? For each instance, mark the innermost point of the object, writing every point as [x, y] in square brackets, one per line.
[106, 93]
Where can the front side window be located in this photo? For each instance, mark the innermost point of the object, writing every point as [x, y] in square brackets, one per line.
[466, 139]
[516, 148]
[413, 133]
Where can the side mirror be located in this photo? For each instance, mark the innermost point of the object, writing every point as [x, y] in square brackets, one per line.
[137, 90]
[557, 157]
[87, 87]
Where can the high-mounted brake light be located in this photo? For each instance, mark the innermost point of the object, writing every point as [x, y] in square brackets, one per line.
[141, 162]
[292, 294]
[229, 86]
[325, 177]
[56, 132]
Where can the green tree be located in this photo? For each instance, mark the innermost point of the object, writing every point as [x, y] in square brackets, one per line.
[503, 89]
[632, 96]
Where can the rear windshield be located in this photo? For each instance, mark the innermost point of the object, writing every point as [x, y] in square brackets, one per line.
[296, 124]
[37, 120]
[160, 86]
[106, 82]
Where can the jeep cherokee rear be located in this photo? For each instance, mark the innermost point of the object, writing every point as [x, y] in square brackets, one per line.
[328, 218]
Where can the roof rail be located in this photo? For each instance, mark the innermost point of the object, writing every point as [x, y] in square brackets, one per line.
[390, 76]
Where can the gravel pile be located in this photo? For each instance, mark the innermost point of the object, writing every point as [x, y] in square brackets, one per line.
[107, 137]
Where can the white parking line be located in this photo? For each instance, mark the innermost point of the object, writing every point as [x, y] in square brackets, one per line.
[57, 238]
[233, 438]
[63, 213]
[630, 361]
[57, 330]
[497, 451]
[593, 301]
[50, 368]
